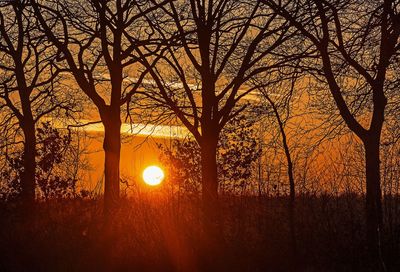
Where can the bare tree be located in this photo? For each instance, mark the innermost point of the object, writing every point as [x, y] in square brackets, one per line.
[356, 42]
[280, 105]
[219, 47]
[96, 40]
[29, 85]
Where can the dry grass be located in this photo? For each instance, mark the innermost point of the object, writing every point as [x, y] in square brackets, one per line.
[152, 232]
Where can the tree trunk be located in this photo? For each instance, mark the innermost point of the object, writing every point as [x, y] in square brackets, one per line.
[27, 125]
[292, 211]
[209, 183]
[373, 197]
[292, 221]
[29, 164]
[212, 241]
[112, 150]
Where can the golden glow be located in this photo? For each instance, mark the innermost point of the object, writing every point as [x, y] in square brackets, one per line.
[153, 175]
[138, 129]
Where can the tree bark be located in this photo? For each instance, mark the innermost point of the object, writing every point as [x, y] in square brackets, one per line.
[212, 241]
[373, 196]
[29, 164]
[27, 124]
[209, 183]
[112, 150]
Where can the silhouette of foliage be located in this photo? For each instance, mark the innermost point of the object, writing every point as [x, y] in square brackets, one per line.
[237, 150]
[183, 161]
[51, 148]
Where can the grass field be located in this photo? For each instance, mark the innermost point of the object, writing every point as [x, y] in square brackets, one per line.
[158, 233]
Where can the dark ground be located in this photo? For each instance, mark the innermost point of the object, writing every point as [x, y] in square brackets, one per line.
[155, 233]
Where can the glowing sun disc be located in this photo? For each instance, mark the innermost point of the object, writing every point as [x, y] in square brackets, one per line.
[153, 175]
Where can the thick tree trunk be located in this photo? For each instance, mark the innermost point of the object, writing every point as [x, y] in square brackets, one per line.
[212, 241]
[112, 150]
[29, 164]
[209, 183]
[374, 196]
[27, 125]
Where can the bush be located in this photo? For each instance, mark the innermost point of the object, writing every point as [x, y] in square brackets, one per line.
[237, 151]
[51, 182]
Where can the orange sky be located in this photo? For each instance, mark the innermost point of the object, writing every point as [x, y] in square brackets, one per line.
[137, 152]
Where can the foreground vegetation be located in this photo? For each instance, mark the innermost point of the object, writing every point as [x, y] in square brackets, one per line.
[154, 231]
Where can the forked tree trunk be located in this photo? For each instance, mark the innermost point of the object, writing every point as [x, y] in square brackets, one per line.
[27, 124]
[374, 213]
[29, 164]
[112, 150]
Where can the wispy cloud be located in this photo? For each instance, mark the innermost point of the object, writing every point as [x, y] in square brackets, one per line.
[139, 129]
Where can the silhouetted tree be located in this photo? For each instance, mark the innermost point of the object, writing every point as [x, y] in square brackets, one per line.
[218, 47]
[29, 87]
[279, 103]
[356, 43]
[96, 40]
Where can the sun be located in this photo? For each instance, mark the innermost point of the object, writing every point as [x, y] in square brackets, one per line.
[153, 175]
